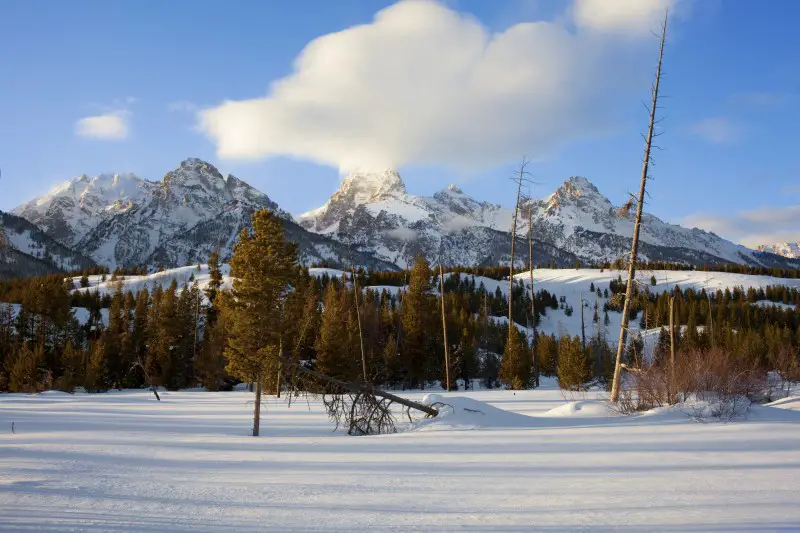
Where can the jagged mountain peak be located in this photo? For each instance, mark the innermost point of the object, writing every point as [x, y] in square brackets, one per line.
[580, 193]
[366, 186]
[790, 250]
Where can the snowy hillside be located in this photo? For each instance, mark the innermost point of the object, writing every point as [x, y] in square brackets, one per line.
[785, 249]
[569, 283]
[126, 220]
[25, 250]
[376, 213]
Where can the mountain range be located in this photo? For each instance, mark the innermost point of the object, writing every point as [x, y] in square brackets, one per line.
[372, 220]
[785, 249]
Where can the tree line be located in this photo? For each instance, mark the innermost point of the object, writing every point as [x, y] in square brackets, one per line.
[177, 337]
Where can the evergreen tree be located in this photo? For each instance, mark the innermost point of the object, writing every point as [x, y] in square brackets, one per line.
[574, 370]
[417, 318]
[263, 270]
[24, 369]
[333, 353]
[515, 366]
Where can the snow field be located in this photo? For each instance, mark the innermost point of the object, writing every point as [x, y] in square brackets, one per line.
[492, 461]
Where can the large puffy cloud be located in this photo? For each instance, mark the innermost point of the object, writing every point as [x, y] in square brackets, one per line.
[427, 85]
[753, 227]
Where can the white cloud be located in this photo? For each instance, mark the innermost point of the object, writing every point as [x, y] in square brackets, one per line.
[718, 130]
[627, 17]
[183, 106]
[424, 84]
[112, 125]
[763, 98]
[766, 225]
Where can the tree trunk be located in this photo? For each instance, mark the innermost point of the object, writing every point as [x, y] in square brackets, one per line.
[623, 330]
[513, 238]
[583, 327]
[360, 334]
[257, 406]
[672, 384]
[279, 377]
[533, 297]
[444, 332]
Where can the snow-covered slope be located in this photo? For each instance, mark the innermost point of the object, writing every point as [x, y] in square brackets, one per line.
[375, 212]
[25, 250]
[785, 249]
[126, 220]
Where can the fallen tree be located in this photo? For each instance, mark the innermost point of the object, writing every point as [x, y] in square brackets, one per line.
[361, 407]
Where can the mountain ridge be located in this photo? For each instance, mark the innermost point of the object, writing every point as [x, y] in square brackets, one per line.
[371, 220]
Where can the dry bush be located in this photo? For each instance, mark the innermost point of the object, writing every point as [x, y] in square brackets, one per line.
[713, 381]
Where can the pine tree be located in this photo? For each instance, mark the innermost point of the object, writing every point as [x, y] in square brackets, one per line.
[263, 270]
[417, 316]
[213, 287]
[210, 364]
[333, 352]
[24, 369]
[574, 369]
[515, 366]
[97, 372]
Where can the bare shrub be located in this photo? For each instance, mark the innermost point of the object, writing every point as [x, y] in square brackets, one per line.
[714, 382]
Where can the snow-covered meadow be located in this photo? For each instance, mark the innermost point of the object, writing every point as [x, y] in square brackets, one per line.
[518, 461]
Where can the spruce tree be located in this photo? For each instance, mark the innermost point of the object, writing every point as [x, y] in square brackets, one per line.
[333, 353]
[574, 369]
[263, 270]
[417, 317]
[515, 366]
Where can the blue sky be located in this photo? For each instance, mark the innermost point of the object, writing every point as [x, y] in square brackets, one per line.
[568, 93]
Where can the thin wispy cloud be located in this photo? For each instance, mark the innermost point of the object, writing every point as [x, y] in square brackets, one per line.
[764, 99]
[110, 126]
[110, 122]
[424, 84]
[183, 106]
[754, 227]
[717, 130]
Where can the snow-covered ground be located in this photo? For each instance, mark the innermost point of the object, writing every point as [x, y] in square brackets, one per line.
[520, 461]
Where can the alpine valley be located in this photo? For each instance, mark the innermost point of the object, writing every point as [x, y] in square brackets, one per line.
[124, 220]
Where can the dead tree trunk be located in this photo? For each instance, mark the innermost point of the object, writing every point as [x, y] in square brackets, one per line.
[583, 326]
[623, 330]
[360, 334]
[279, 378]
[257, 407]
[672, 384]
[519, 179]
[533, 297]
[444, 332]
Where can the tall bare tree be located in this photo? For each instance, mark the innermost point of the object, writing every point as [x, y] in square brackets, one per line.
[623, 330]
[532, 295]
[519, 179]
[444, 331]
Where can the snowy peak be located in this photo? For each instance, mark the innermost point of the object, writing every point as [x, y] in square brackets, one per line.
[579, 193]
[364, 187]
[790, 250]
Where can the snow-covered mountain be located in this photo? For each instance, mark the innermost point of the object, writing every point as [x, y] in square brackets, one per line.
[784, 249]
[25, 250]
[125, 220]
[376, 213]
